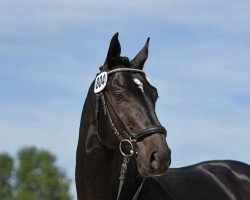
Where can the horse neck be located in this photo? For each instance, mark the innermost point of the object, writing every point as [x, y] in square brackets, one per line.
[97, 167]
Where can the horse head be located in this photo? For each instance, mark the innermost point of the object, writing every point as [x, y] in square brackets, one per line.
[127, 113]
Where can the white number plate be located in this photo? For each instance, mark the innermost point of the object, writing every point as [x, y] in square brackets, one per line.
[101, 82]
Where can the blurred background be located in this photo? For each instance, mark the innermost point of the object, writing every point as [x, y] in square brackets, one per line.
[199, 59]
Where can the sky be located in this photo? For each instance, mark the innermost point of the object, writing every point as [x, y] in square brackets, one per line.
[199, 60]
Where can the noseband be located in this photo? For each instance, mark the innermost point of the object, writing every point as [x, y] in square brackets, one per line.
[132, 137]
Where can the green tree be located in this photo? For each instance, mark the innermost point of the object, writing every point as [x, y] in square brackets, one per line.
[38, 177]
[6, 170]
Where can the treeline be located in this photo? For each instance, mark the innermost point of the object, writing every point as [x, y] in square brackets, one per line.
[32, 175]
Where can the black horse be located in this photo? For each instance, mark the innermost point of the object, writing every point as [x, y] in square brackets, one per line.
[122, 151]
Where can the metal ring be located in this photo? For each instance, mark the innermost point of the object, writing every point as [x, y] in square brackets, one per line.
[131, 151]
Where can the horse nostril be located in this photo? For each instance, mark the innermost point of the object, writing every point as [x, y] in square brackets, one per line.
[154, 160]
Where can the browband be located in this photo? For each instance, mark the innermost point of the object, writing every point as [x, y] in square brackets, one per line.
[125, 69]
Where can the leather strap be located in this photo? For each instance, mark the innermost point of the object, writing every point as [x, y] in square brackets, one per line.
[150, 131]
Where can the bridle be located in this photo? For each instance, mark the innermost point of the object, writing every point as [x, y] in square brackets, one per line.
[133, 138]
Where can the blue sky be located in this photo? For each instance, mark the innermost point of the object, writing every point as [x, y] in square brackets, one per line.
[199, 60]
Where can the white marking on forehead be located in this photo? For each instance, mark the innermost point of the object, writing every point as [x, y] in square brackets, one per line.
[139, 83]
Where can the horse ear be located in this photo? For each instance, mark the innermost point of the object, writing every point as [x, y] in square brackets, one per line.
[113, 53]
[141, 57]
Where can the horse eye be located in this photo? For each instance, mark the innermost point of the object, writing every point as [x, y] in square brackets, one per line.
[118, 96]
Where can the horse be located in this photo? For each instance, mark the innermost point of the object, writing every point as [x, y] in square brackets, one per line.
[122, 150]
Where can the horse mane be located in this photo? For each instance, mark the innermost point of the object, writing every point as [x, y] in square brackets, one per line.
[121, 62]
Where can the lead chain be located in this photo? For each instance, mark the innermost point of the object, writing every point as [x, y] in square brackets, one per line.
[122, 174]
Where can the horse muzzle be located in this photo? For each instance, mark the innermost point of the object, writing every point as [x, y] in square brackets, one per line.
[153, 156]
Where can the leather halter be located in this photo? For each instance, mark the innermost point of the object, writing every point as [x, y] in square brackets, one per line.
[133, 137]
